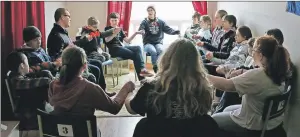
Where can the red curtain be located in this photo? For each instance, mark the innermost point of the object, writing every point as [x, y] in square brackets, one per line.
[124, 9]
[200, 6]
[15, 15]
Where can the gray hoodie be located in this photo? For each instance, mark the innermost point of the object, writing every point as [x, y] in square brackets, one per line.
[236, 58]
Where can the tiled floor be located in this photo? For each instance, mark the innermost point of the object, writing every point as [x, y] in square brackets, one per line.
[10, 126]
[122, 80]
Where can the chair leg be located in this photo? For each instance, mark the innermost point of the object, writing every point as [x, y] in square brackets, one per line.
[135, 74]
[113, 75]
[118, 72]
[105, 69]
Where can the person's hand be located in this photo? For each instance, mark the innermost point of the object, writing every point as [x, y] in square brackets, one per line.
[89, 37]
[228, 75]
[129, 86]
[142, 32]
[196, 37]
[117, 30]
[220, 69]
[200, 43]
[235, 73]
[58, 62]
[209, 55]
[177, 32]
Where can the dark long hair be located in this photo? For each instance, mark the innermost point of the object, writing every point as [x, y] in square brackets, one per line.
[245, 32]
[277, 58]
[72, 60]
[231, 19]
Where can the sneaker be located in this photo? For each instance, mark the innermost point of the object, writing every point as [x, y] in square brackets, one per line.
[146, 73]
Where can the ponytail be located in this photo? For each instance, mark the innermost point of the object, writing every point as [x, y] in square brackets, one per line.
[73, 59]
[278, 65]
[277, 58]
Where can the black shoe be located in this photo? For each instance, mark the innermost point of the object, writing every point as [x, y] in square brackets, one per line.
[155, 68]
[110, 94]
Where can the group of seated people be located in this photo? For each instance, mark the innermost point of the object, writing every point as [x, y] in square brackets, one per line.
[176, 100]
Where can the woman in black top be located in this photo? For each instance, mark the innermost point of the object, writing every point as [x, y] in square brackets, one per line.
[178, 99]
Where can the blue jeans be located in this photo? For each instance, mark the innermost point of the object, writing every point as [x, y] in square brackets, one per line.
[95, 66]
[130, 52]
[154, 51]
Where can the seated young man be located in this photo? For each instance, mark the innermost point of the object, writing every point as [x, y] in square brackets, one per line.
[92, 47]
[38, 59]
[153, 30]
[59, 40]
[118, 49]
[30, 87]
[194, 28]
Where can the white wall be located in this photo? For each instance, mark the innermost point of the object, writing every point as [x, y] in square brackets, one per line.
[81, 11]
[50, 7]
[261, 16]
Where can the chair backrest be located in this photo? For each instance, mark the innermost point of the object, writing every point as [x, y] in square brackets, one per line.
[275, 106]
[66, 125]
[10, 92]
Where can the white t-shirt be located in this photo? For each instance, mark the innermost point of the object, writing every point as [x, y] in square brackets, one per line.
[256, 87]
[205, 33]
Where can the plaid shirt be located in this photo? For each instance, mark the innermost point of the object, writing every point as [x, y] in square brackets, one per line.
[31, 80]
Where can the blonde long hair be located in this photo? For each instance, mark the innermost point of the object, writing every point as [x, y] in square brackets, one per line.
[182, 79]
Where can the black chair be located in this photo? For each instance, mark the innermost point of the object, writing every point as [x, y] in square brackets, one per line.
[274, 107]
[11, 94]
[21, 108]
[51, 125]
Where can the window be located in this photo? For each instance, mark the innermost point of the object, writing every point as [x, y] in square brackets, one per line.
[178, 15]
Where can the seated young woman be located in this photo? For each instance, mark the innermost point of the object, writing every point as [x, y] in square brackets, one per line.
[73, 94]
[255, 86]
[237, 55]
[178, 99]
[233, 98]
[204, 34]
[225, 44]
[222, 51]
[29, 90]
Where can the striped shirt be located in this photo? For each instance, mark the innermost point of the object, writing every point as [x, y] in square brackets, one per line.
[216, 36]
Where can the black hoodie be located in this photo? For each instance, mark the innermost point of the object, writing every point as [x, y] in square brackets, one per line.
[58, 40]
[93, 45]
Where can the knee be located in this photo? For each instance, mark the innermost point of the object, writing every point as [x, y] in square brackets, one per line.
[137, 48]
[96, 63]
[94, 68]
[152, 52]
